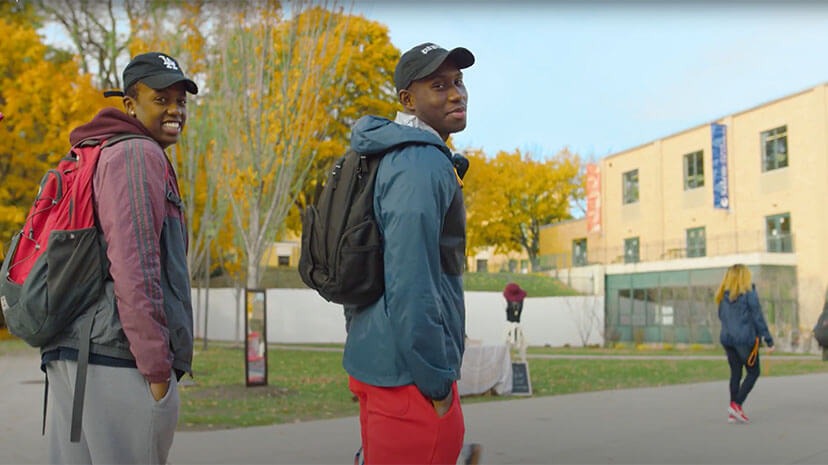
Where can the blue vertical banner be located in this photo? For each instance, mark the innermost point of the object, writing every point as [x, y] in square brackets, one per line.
[718, 134]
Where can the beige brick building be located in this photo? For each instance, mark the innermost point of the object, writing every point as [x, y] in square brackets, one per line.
[672, 214]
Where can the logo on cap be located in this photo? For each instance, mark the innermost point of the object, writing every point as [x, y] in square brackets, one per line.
[429, 48]
[168, 62]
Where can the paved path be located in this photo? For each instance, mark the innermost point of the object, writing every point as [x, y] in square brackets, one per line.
[667, 425]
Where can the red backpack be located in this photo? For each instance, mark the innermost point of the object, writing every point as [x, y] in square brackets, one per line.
[56, 266]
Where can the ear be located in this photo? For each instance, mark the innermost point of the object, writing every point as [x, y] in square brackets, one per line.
[407, 100]
[129, 105]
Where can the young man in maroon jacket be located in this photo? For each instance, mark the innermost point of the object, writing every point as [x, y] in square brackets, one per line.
[141, 337]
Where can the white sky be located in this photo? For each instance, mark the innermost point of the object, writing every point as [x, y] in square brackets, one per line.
[602, 77]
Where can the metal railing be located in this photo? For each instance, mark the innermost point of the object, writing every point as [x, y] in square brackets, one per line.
[673, 249]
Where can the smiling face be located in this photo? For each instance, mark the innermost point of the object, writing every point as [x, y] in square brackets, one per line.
[163, 112]
[438, 99]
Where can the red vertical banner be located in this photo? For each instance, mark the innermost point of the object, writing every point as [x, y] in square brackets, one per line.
[593, 197]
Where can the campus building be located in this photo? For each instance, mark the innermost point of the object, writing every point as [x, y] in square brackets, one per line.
[666, 218]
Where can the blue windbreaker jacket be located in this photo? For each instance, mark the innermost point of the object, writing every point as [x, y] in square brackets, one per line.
[415, 332]
[742, 320]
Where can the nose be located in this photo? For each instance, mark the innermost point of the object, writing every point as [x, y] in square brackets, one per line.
[175, 108]
[457, 93]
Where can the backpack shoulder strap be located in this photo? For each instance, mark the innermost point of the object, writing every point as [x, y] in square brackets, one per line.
[93, 141]
[122, 137]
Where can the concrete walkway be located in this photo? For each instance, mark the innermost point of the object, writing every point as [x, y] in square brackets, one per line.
[667, 425]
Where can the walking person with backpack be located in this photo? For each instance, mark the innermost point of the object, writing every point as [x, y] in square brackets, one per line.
[403, 351]
[139, 332]
[743, 327]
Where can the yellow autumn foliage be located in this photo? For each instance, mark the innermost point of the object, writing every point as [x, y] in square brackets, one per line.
[43, 100]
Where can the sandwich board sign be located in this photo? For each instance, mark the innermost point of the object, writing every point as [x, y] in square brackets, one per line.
[521, 384]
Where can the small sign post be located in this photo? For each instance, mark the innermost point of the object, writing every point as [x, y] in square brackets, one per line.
[255, 340]
[521, 384]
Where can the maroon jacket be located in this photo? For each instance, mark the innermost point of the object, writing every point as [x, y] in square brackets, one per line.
[141, 216]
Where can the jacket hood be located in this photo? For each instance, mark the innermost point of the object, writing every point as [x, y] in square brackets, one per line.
[108, 121]
[373, 134]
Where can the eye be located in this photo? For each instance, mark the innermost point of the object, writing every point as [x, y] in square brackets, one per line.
[439, 85]
[182, 102]
[161, 100]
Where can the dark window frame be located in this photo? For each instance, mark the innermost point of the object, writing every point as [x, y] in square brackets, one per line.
[696, 243]
[694, 170]
[632, 250]
[774, 143]
[630, 186]
[579, 255]
[778, 233]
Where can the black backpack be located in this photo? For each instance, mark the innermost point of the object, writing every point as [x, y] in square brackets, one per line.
[341, 255]
[821, 328]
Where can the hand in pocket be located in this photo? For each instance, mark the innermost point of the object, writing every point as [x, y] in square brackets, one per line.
[442, 406]
[159, 390]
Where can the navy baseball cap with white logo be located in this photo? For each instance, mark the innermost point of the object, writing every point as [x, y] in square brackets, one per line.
[156, 70]
[424, 59]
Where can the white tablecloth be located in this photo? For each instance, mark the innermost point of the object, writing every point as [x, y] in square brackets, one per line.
[485, 367]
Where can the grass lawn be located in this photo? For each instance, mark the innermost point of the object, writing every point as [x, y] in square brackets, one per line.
[311, 384]
[536, 285]
[305, 385]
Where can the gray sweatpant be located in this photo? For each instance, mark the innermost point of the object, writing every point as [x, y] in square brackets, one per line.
[122, 423]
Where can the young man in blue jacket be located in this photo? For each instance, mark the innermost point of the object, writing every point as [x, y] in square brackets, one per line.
[403, 352]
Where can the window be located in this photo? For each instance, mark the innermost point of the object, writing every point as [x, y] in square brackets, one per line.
[482, 265]
[579, 252]
[284, 260]
[778, 233]
[631, 186]
[775, 149]
[631, 250]
[696, 242]
[693, 170]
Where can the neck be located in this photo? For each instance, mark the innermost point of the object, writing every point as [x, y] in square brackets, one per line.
[407, 119]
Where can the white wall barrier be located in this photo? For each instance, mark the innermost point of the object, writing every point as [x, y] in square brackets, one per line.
[301, 316]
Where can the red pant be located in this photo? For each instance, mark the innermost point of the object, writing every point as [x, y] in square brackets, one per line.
[400, 426]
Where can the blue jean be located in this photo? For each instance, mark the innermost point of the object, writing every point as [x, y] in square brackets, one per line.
[737, 359]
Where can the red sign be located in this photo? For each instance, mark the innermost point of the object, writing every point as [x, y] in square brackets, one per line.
[593, 197]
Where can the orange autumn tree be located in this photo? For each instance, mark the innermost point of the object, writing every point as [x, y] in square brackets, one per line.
[265, 87]
[509, 197]
[480, 202]
[366, 64]
[43, 96]
[183, 30]
[104, 35]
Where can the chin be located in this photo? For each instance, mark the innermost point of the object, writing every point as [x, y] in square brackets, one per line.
[458, 127]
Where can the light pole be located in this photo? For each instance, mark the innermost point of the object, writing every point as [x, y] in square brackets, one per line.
[210, 235]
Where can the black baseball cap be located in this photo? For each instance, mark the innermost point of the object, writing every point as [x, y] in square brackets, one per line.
[424, 59]
[156, 70]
